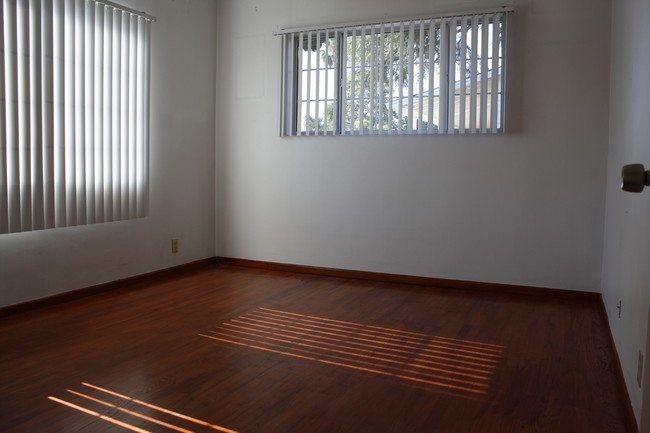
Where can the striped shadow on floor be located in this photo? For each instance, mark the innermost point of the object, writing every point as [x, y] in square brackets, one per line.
[460, 367]
[130, 413]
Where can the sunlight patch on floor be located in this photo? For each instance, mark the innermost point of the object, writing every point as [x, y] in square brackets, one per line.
[109, 405]
[462, 366]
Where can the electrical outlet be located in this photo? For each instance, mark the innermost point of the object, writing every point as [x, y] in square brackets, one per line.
[639, 370]
[174, 246]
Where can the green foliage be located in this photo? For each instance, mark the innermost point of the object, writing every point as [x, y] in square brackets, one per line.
[374, 85]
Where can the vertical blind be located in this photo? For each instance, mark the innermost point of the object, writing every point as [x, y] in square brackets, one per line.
[74, 110]
[413, 76]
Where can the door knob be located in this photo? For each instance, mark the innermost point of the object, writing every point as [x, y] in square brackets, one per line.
[634, 178]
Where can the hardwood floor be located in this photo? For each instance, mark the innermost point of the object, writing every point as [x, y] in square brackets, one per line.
[227, 348]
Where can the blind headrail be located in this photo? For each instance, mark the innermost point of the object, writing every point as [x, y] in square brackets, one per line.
[316, 28]
[126, 9]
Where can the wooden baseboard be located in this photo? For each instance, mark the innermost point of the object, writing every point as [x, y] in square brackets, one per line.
[413, 280]
[122, 284]
[131, 282]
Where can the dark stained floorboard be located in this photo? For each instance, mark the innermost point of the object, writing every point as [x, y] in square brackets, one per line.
[141, 351]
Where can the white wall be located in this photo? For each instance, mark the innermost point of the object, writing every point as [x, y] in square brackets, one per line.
[42, 263]
[521, 208]
[626, 274]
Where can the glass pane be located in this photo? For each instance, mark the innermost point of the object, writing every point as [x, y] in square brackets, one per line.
[317, 82]
[389, 75]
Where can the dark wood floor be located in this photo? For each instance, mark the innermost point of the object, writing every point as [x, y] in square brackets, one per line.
[235, 349]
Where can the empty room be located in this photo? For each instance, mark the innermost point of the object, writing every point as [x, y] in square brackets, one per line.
[324, 216]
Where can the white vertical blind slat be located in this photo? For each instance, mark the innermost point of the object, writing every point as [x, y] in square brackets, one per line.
[139, 118]
[494, 66]
[381, 83]
[391, 88]
[116, 124]
[484, 71]
[133, 56]
[11, 125]
[411, 72]
[432, 44]
[47, 110]
[24, 139]
[317, 87]
[339, 91]
[362, 81]
[353, 83]
[451, 128]
[300, 74]
[89, 118]
[99, 105]
[444, 73]
[124, 117]
[308, 107]
[401, 78]
[287, 95]
[60, 197]
[107, 92]
[146, 88]
[463, 76]
[326, 90]
[473, 76]
[80, 112]
[420, 119]
[35, 122]
[371, 81]
[4, 210]
[502, 70]
[69, 80]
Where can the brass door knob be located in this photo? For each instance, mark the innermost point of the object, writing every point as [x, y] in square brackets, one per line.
[634, 178]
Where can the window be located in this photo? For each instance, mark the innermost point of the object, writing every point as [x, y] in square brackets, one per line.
[74, 110]
[413, 76]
